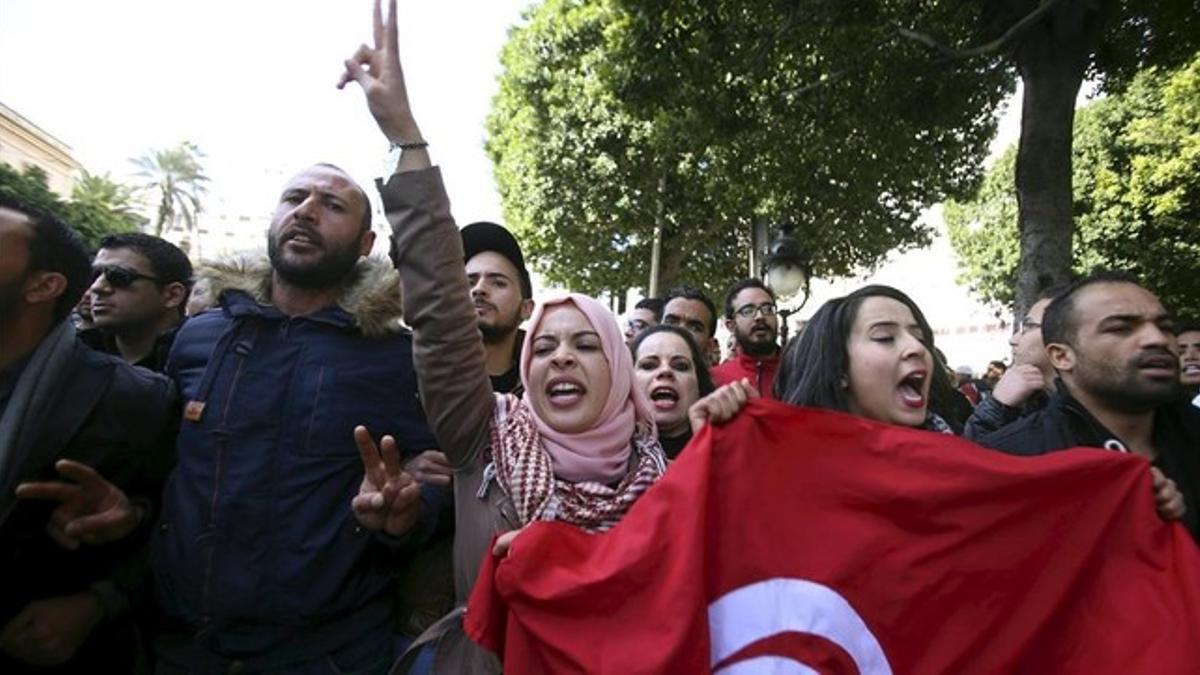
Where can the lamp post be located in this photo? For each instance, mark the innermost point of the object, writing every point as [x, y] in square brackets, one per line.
[786, 271]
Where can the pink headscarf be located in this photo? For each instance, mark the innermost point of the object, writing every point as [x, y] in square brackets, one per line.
[600, 453]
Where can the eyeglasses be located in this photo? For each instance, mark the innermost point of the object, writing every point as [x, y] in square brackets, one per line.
[748, 311]
[637, 325]
[119, 276]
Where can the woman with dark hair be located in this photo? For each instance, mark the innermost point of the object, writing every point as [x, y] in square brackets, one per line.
[870, 354]
[673, 374]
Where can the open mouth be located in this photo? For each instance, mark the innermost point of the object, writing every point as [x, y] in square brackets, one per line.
[564, 393]
[664, 398]
[303, 239]
[912, 388]
[1159, 366]
[1192, 369]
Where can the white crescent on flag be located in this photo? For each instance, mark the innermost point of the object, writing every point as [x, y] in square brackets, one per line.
[773, 606]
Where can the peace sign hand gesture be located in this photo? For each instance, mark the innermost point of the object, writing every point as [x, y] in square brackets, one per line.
[91, 510]
[377, 70]
[388, 500]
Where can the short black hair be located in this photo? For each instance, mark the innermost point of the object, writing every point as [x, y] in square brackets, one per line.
[999, 364]
[699, 359]
[365, 223]
[749, 282]
[167, 261]
[653, 305]
[54, 247]
[1059, 322]
[687, 292]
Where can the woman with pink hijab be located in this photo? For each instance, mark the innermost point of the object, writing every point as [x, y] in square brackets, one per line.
[581, 447]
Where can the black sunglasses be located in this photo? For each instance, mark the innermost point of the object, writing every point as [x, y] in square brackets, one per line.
[118, 276]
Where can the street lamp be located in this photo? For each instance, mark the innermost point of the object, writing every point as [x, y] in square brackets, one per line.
[786, 271]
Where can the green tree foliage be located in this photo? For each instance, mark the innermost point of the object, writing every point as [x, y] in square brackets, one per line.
[92, 216]
[615, 115]
[175, 179]
[1136, 162]
[103, 192]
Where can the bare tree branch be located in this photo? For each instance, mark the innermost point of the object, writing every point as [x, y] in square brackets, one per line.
[988, 48]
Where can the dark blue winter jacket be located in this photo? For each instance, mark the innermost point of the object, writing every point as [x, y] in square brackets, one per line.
[257, 552]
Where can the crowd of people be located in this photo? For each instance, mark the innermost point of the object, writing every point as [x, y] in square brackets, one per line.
[295, 463]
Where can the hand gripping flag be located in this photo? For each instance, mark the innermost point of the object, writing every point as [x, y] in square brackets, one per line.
[801, 541]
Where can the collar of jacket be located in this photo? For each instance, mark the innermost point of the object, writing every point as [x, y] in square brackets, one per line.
[749, 361]
[370, 301]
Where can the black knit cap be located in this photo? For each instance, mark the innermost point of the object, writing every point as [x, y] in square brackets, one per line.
[485, 236]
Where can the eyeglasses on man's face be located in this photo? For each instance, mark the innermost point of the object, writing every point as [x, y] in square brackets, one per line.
[119, 276]
[748, 311]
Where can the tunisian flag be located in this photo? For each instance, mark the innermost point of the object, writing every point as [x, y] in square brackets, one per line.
[803, 541]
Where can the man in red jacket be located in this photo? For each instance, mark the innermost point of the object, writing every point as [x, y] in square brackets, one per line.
[750, 317]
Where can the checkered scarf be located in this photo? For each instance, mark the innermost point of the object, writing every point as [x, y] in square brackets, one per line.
[524, 471]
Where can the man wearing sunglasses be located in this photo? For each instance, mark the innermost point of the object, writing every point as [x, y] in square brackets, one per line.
[750, 316]
[138, 292]
[68, 412]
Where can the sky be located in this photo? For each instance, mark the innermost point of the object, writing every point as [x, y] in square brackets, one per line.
[253, 84]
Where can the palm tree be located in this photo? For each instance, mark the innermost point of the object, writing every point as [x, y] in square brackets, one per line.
[176, 179]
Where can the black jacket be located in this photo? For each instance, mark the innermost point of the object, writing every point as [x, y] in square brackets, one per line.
[1065, 423]
[119, 420]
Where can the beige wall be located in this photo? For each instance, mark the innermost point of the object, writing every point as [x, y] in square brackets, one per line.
[22, 144]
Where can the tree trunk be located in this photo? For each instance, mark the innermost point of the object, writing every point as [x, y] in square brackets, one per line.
[1051, 58]
[672, 265]
[656, 247]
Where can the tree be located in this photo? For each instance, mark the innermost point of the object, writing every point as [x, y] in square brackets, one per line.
[175, 179]
[1136, 200]
[102, 191]
[1054, 45]
[92, 219]
[619, 120]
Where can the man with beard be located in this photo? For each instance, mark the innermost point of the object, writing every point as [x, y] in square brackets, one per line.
[283, 523]
[1110, 341]
[68, 412]
[750, 316]
[503, 297]
[502, 293]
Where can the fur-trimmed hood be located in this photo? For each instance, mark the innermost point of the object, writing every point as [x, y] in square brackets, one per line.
[372, 297]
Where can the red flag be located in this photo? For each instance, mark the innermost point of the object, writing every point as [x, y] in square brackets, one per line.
[803, 541]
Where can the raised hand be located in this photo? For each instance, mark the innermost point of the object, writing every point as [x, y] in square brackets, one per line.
[430, 467]
[1018, 384]
[721, 405]
[377, 70]
[91, 510]
[388, 500]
